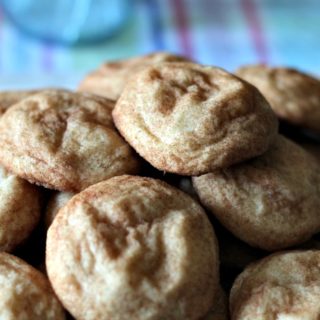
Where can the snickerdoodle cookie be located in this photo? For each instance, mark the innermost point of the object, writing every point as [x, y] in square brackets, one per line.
[293, 95]
[9, 98]
[191, 119]
[282, 286]
[111, 77]
[133, 248]
[56, 201]
[25, 293]
[19, 210]
[270, 202]
[63, 140]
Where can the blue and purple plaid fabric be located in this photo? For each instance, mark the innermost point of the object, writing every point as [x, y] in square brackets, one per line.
[227, 33]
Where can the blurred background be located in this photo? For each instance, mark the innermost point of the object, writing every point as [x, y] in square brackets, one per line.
[56, 42]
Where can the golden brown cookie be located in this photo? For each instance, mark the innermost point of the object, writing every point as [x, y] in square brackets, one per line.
[111, 77]
[56, 201]
[133, 248]
[19, 210]
[191, 119]
[294, 96]
[219, 311]
[270, 202]
[9, 98]
[282, 286]
[25, 293]
[63, 140]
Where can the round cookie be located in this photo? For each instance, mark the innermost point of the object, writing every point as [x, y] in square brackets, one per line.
[19, 210]
[110, 78]
[294, 96]
[25, 292]
[63, 140]
[271, 202]
[56, 201]
[282, 286]
[190, 119]
[133, 248]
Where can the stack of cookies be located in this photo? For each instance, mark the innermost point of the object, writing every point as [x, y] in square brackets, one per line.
[162, 190]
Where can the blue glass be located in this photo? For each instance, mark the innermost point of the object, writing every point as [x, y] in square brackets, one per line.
[68, 21]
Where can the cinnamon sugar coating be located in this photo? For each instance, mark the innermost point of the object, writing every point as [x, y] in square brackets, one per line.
[190, 119]
[133, 248]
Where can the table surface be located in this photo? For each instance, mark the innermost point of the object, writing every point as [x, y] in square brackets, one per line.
[227, 33]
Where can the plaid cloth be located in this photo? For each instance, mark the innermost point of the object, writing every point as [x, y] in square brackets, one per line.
[227, 33]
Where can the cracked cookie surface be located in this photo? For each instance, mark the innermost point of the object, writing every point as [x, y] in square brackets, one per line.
[63, 140]
[282, 286]
[111, 77]
[190, 119]
[25, 292]
[9, 98]
[293, 95]
[272, 201]
[133, 248]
